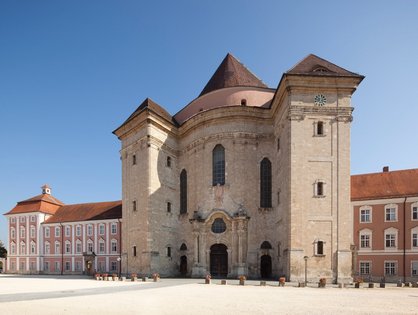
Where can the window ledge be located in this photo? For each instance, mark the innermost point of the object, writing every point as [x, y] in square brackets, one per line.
[319, 255]
[319, 196]
[263, 209]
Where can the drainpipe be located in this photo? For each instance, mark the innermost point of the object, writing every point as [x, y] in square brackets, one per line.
[404, 239]
[62, 249]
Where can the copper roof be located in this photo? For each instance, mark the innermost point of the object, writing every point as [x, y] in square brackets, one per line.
[383, 185]
[44, 203]
[148, 104]
[314, 65]
[231, 73]
[88, 211]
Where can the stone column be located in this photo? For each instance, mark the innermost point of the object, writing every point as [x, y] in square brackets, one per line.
[234, 245]
[202, 248]
[196, 248]
[240, 247]
[229, 261]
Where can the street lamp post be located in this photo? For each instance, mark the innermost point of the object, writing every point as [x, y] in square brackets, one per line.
[306, 270]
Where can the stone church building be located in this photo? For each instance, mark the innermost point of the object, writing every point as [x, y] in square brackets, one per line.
[245, 179]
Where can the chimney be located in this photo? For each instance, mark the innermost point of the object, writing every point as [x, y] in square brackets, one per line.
[46, 189]
[385, 169]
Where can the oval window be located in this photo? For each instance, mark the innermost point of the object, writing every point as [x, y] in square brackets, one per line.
[218, 226]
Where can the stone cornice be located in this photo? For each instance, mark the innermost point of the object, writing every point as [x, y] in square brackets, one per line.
[243, 136]
[342, 114]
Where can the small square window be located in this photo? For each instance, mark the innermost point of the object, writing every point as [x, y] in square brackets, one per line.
[365, 241]
[365, 268]
[365, 215]
[390, 268]
[390, 240]
[390, 214]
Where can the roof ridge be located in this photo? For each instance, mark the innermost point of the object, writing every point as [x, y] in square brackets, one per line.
[89, 203]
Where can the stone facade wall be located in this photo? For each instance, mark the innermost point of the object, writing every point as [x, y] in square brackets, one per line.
[297, 220]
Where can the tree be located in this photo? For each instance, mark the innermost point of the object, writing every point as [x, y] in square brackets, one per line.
[3, 250]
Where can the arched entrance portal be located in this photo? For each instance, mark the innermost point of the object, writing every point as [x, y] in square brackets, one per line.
[265, 266]
[183, 265]
[218, 260]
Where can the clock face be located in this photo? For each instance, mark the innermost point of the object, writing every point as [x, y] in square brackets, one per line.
[320, 100]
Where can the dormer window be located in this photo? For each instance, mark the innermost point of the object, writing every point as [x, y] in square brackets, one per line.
[320, 69]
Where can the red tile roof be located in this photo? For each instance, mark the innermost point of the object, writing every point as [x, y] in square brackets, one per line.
[384, 185]
[88, 211]
[231, 73]
[314, 65]
[44, 203]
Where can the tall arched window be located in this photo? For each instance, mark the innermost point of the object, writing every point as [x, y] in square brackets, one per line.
[183, 192]
[218, 167]
[265, 183]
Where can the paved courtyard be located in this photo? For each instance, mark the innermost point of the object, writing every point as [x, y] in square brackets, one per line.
[80, 295]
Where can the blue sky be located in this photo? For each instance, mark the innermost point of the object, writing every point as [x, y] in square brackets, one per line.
[72, 71]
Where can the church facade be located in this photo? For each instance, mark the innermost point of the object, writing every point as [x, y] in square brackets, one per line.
[245, 179]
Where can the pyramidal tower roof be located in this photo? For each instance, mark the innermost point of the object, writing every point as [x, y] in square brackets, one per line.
[314, 65]
[231, 73]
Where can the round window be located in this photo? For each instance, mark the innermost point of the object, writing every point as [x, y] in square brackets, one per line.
[218, 226]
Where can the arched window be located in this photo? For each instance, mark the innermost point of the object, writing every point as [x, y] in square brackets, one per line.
[183, 192]
[218, 167]
[168, 163]
[183, 247]
[265, 183]
[218, 226]
[265, 245]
